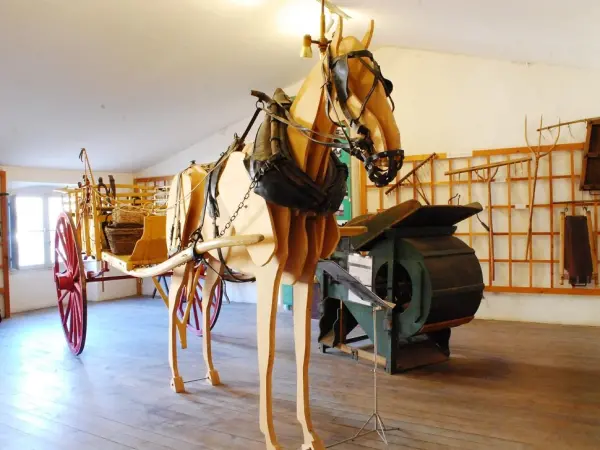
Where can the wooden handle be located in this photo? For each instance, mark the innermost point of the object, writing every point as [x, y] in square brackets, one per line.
[188, 254]
[228, 241]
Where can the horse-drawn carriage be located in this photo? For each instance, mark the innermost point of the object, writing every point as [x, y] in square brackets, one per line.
[122, 226]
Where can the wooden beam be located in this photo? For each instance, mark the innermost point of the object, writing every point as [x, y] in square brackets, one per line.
[578, 202]
[571, 147]
[542, 290]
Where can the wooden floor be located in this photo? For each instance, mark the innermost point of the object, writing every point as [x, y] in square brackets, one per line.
[508, 386]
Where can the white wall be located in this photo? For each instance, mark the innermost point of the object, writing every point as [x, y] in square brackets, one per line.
[455, 104]
[452, 103]
[34, 288]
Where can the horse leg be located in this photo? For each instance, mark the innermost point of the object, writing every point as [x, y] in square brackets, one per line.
[268, 279]
[303, 293]
[178, 280]
[213, 274]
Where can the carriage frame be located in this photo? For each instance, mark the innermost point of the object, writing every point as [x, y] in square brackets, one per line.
[80, 240]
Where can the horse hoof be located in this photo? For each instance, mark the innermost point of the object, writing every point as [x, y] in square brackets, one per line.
[213, 377]
[177, 385]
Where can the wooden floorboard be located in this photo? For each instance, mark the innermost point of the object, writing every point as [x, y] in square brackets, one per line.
[506, 386]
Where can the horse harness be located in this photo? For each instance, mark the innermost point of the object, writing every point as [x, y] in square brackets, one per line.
[363, 148]
[274, 174]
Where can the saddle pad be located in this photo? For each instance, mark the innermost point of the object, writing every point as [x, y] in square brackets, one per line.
[282, 181]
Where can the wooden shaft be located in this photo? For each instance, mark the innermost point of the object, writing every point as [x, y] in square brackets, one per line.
[488, 166]
[528, 250]
[419, 188]
[323, 21]
[562, 124]
[188, 254]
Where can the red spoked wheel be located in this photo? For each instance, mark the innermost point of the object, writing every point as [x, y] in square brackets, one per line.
[195, 321]
[69, 277]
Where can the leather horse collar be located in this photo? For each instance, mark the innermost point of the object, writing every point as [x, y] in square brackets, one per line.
[363, 148]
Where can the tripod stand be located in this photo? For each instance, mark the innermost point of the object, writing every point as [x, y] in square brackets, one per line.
[379, 427]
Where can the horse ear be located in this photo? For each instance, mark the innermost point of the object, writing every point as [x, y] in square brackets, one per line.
[337, 35]
[369, 34]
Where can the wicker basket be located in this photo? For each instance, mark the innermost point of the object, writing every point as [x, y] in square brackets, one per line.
[122, 238]
[125, 215]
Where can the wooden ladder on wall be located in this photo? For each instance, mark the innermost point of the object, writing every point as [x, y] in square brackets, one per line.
[4, 249]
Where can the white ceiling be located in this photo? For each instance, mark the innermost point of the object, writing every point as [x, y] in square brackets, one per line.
[137, 80]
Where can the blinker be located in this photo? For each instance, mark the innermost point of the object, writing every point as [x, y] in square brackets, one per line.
[388, 86]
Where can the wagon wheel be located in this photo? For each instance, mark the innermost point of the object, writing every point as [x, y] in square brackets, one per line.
[69, 277]
[195, 321]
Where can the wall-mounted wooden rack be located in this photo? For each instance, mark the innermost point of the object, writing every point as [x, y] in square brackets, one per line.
[510, 191]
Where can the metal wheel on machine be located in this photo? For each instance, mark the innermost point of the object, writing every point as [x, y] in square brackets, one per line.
[69, 277]
[195, 321]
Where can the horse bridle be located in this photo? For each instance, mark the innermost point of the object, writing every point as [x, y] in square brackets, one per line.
[363, 147]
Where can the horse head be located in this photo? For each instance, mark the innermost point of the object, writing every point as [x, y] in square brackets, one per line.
[359, 97]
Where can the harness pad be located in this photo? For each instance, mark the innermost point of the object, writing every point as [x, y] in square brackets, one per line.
[282, 182]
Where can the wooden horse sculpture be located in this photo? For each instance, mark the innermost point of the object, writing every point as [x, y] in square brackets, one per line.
[355, 91]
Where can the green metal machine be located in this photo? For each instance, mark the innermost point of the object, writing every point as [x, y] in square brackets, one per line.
[408, 257]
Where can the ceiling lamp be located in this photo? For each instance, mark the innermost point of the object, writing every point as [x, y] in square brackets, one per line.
[306, 51]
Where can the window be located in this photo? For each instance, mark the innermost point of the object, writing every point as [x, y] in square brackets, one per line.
[35, 221]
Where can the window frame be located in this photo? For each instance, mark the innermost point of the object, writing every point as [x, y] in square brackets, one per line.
[46, 229]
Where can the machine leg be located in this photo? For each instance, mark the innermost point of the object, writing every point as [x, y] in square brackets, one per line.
[442, 339]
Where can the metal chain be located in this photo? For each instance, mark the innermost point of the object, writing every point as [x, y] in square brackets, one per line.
[253, 184]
